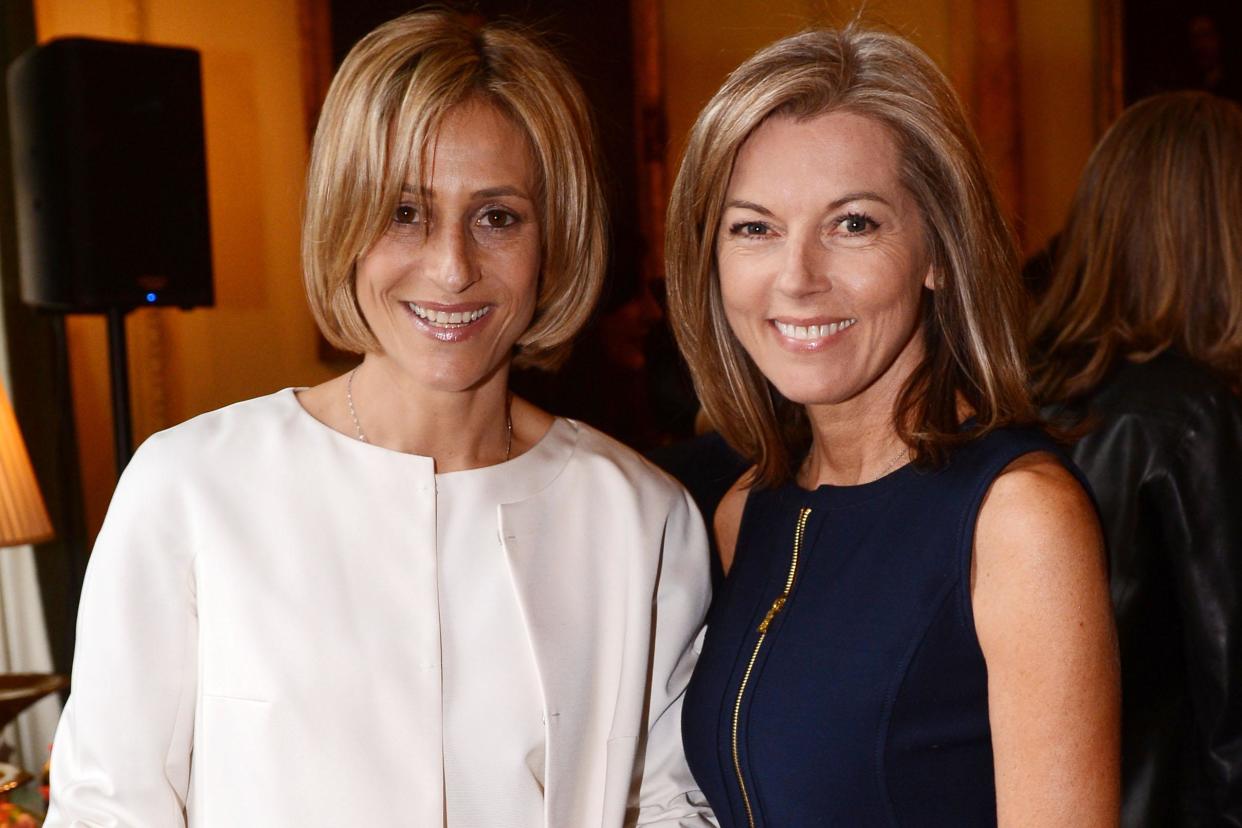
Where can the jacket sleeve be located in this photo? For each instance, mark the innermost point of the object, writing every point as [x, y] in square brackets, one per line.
[121, 755]
[668, 795]
[1200, 499]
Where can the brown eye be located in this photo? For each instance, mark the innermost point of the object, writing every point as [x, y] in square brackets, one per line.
[405, 214]
[497, 218]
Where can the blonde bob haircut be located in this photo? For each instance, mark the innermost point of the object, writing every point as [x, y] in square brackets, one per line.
[374, 138]
[1151, 255]
[972, 324]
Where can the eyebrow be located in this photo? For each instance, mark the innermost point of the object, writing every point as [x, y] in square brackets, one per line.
[861, 195]
[748, 205]
[487, 192]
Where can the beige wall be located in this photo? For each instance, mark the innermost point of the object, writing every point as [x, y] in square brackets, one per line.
[259, 336]
[705, 39]
[1057, 51]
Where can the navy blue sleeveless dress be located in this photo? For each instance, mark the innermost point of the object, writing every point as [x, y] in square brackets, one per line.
[841, 681]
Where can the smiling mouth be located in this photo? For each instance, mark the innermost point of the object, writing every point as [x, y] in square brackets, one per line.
[447, 319]
[806, 333]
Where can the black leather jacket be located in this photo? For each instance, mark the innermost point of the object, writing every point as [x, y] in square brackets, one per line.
[1165, 461]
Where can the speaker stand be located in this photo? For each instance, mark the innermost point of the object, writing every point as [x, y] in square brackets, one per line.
[118, 366]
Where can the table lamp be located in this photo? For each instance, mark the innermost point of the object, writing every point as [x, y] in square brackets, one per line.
[23, 519]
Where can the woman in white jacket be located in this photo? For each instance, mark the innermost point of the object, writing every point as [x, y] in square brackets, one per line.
[403, 597]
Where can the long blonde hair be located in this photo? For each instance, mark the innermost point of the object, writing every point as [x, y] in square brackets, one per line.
[972, 323]
[1151, 255]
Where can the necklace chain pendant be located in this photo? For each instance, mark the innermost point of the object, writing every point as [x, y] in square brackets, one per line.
[353, 415]
[349, 398]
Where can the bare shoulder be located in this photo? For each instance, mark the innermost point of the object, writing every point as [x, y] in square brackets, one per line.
[1036, 522]
[1039, 592]
[1039, 576]
[728, 518]
[1036, 508]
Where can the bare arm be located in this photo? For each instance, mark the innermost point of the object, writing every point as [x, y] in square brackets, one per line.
[1039, 586]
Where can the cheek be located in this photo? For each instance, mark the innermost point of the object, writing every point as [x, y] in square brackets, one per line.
[735, 302]
[532, 281]
[365, 286]
[892, 286]
[380, 267]
[522, 271]
[741, 292]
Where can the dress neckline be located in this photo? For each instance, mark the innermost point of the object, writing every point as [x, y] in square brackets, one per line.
[520, 477]
[510, 481]
[832, 495]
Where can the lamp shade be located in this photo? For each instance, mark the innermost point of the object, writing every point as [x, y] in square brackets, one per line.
[23, 517]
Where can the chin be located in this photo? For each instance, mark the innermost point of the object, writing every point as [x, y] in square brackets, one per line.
[447, 373]
[454, 381]
[812, 387]
[817, 393]
[808, 398]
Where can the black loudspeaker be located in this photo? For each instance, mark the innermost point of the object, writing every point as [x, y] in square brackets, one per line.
[111, 177]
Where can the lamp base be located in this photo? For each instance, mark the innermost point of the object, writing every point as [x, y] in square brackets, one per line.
[12, 777]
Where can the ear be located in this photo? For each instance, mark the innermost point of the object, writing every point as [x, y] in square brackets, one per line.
[932, 280]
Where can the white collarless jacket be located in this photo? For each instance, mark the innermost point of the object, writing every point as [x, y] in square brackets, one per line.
[259, 642]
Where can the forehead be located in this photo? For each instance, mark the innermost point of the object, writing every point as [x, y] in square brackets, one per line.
[478, 145]
[837, 150]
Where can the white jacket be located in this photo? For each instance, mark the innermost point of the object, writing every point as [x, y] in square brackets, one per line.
[258, 638]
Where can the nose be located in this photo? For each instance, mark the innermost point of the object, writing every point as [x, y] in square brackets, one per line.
[803, 266]
[449, 261]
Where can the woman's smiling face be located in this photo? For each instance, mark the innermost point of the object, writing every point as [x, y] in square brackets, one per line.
[451, 285]
[822, 259]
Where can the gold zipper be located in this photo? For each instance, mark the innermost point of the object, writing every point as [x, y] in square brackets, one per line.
[773, 611]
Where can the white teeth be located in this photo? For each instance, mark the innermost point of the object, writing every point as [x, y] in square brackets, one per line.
[809, 332]
[443, 318]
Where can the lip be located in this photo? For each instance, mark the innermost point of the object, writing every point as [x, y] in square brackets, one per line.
[449, 332]
[459, 307]
[842, 325]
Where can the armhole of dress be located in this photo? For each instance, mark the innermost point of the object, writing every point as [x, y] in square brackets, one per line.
[743, 525]
[970, 517]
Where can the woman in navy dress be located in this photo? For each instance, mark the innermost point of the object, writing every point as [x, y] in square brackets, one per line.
[915, 627]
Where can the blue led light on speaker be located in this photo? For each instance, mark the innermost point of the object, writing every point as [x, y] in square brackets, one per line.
[150, 297]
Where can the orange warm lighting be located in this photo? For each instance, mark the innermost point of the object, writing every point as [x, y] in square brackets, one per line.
[23, 517]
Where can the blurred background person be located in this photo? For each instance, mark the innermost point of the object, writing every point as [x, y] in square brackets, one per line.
[1138, 341]
[403, 596]
[915, 625]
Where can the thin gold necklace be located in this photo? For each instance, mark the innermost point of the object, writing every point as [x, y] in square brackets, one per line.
[892, 464]
[353, 415]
